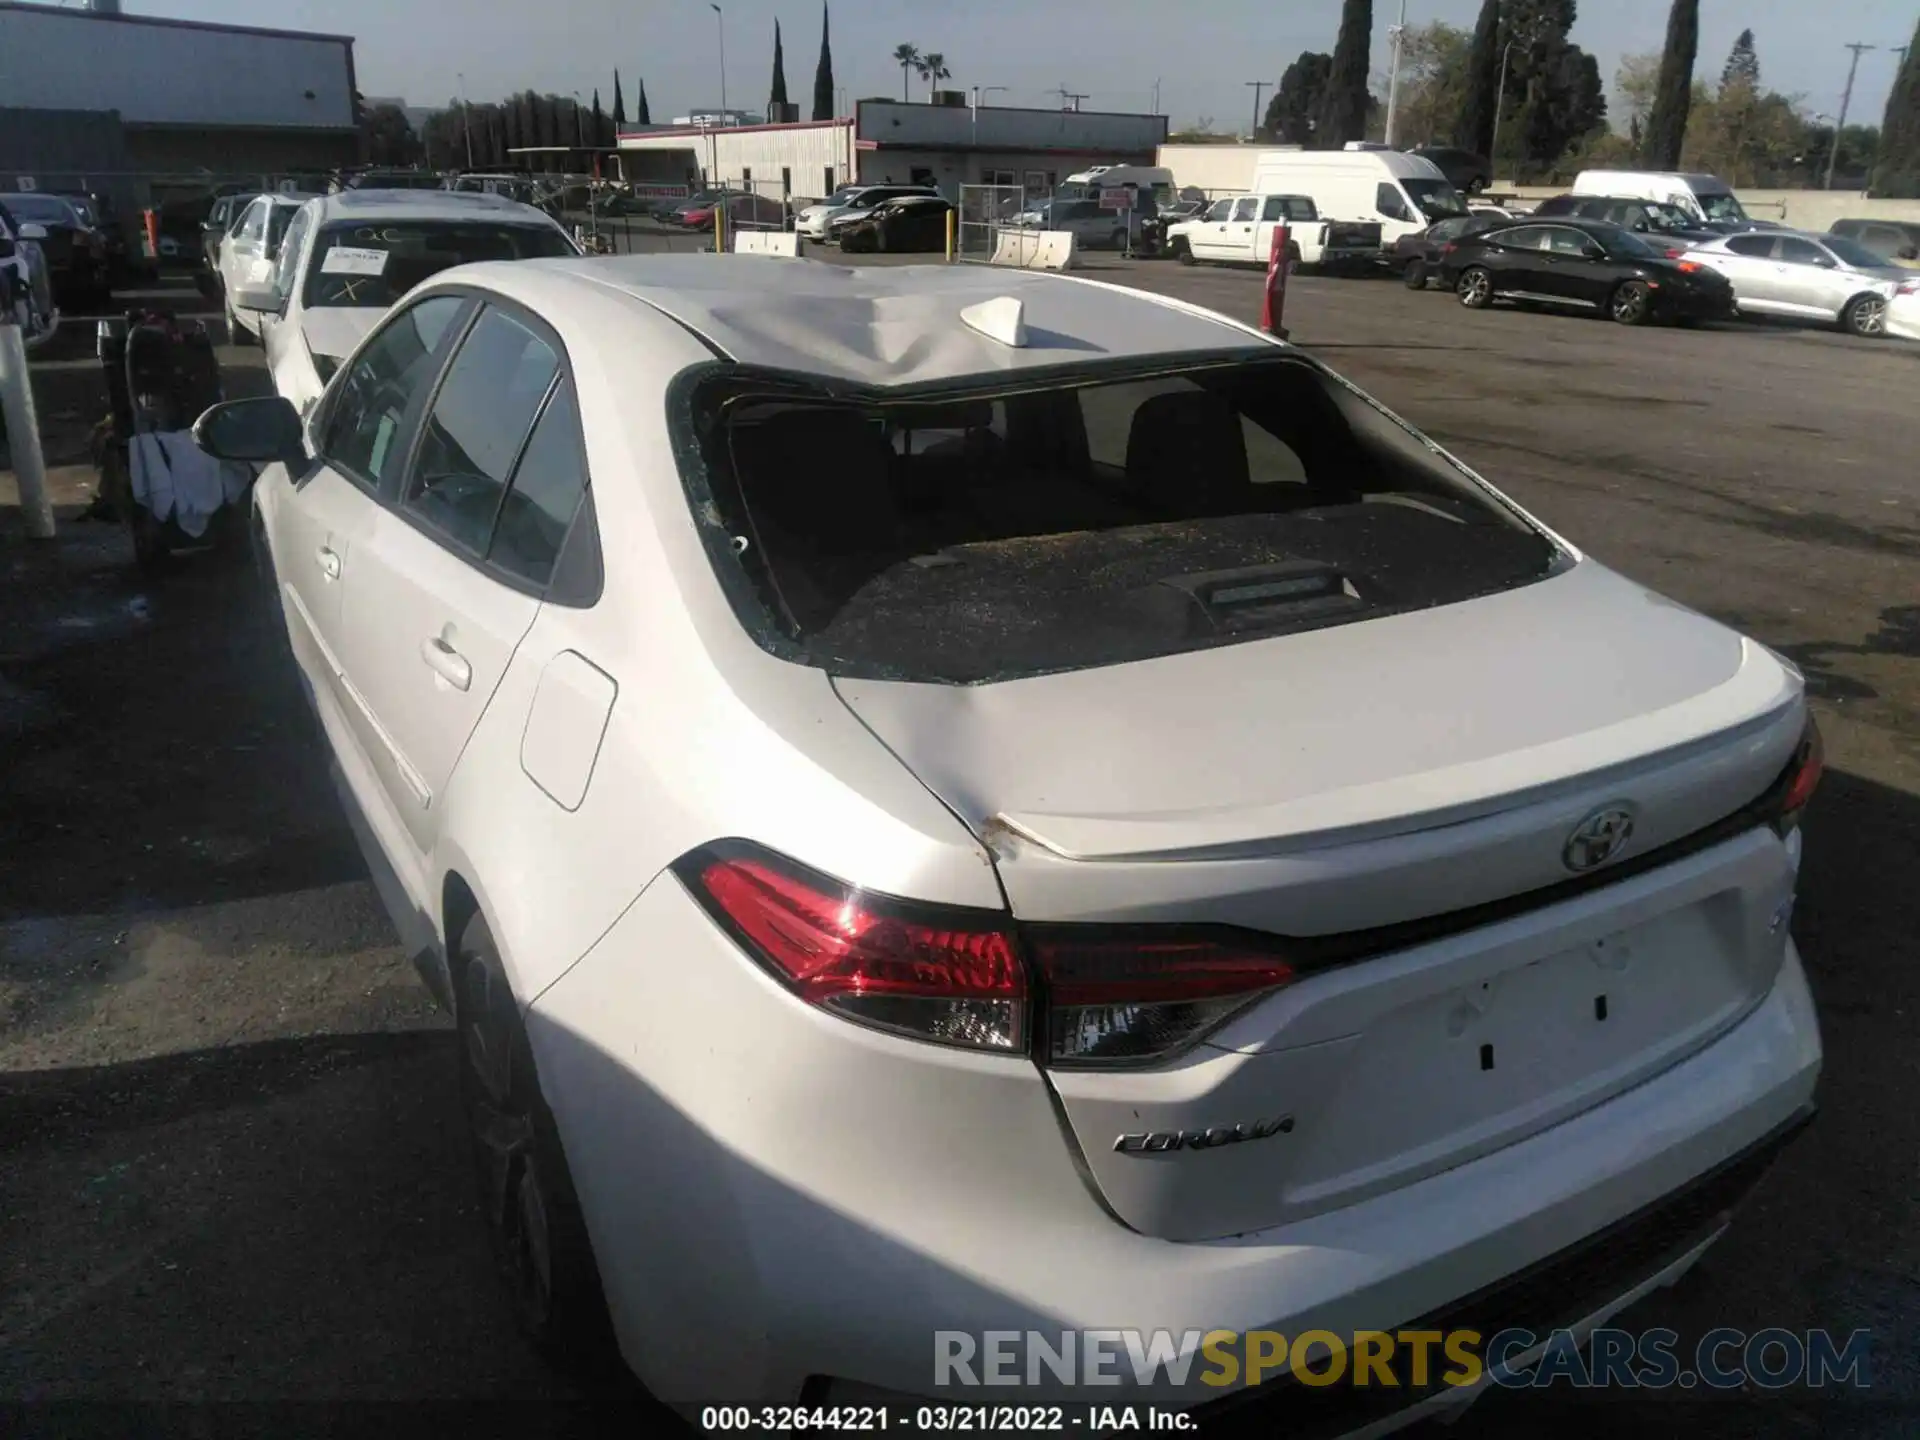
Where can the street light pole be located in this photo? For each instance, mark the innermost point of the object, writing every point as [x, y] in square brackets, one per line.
[1396, 34]
[1846, 99]
[720, 24]
[1500, 102]
[1257, 86]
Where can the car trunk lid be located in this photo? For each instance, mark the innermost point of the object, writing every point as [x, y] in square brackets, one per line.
[1390, 803]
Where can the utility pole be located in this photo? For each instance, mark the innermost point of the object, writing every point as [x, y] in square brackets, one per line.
[720, 24]
[1069, 100]
[1257, 86]
[466, 120]
[1846, 99]
[1156, 94]
[1395, 35]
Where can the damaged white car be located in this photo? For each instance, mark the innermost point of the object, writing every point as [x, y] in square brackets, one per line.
[26, 283]
[947, 800]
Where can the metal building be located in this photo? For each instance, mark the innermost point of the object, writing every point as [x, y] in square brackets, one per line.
[886, 140]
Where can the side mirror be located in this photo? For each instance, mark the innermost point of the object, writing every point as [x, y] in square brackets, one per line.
[31, 231]
[263, 430]
[1642, 226]
[262, 299]
[1908, 252]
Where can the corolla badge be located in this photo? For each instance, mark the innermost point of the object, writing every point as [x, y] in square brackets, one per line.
[1598, 838]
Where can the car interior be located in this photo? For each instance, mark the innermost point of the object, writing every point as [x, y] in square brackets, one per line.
[1075, 523]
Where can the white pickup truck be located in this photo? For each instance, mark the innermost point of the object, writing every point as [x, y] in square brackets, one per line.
[1240, 229]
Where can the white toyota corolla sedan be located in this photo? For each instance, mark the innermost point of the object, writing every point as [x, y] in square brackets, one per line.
[953, 800]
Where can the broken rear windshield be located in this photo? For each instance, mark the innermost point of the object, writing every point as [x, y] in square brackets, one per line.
[1084, 521]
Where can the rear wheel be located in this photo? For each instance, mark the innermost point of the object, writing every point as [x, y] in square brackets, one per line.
[1415, 274]
[526, 1191]
[1182, 251]
[1631, 304]
[1865, 316]
[1475, 288]
[1117, 240]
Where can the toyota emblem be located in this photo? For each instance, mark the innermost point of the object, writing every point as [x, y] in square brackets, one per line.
[1598, 838]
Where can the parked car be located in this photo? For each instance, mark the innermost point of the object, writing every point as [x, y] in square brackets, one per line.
[1585, 265]
[1706, 199]
[1401, 193]
[1092, 227]
[222, 216]
[1417, 257]
[513, 187]
[666, 209]
[249, 253]
[910, 224]
[1653, 220]
[76, 253]
[848, 858]
[827, 220]
[696, 212]
[346, 257]
[97, 210]
[1465, 171]
[386, 179]
[1894, 240]
[1806, 277]
[26, 288]
[1903, 311]
[1240, 228]
[757, 212]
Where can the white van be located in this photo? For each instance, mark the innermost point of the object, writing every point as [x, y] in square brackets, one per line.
[1402, 193]
[1152, 185]
[1706, 198]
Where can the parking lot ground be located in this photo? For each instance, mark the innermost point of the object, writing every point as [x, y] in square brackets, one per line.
[230, 1169]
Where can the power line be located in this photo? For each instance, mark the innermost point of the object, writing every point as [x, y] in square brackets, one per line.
[1846, 99]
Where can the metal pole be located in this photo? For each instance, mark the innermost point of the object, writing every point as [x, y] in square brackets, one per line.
[466, 120]
[1846, 99]
[23, 431]
[720, 24]
[1397, 34]
[1499, 104]
[1257, 86]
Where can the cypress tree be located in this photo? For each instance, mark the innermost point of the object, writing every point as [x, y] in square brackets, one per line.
[1673, 97]
[1345, 116]
[1473, 130]
[823, 74]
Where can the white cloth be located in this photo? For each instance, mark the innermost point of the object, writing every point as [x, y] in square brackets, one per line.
[173, 477]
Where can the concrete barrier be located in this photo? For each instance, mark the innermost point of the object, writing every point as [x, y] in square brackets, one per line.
[767, 242]
[1036, 249]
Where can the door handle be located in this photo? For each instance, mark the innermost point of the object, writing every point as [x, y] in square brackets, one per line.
[329, 562]
[446, 662]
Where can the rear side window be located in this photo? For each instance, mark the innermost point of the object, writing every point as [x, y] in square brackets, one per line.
[547, 486]
[1754, 247]
[1522, 237]
[1073, 523]
[1802, 252]
[372, 403]
[479, 422]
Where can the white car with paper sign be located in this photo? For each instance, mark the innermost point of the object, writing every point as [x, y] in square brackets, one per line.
[248, 253]
[347, 257]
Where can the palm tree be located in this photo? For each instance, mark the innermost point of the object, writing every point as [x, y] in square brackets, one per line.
[933, 69]
[907, 57]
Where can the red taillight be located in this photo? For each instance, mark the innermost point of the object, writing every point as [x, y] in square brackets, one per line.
[1135, 996]
[1675, 254]
[1448, 248]
[1803, 778]
[949, 976]
[1686, 267]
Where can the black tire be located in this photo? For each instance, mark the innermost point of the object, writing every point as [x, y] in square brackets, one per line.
[1415, 275]
[1630, 304]
[1117, 240]
[1183, 252]
[1474, 287]
[526, 1190]
[1865, 316]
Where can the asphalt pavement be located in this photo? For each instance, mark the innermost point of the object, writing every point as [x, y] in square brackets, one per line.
[231, 1174]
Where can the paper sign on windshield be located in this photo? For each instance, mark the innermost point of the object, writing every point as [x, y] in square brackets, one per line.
[347, 260]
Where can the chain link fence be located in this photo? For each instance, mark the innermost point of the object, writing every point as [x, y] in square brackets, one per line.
[986, 213]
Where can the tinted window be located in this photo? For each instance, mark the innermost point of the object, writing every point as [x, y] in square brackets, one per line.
[1275, 208]
[1597, 209]
[1558, 205]
[359, 433]
[1065, 524]
[1854, 253]
[1568, 242]
[1388, 201]
[375, 264]
[1220, 210]
[1802, 252]
[1435, 197]
[1629, 246]
[546, 490]
[1446, 229]
[1521, 237]
[41, 210]
[479, 421]
[290, 244]
[1754, 247]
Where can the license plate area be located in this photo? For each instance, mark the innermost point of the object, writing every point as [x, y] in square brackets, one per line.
[1468, 1068]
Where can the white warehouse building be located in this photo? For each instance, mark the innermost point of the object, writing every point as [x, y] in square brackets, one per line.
[888, 141]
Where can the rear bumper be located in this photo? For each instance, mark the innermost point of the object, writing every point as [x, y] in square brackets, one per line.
[775, 1195]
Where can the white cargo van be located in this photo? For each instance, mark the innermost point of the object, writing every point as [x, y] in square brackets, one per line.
[1706, 198]
[1402, 193]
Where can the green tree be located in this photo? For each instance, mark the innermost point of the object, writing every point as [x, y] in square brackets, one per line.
[1743, 64]
[777, 95]
[823, 74]
[389, 136]
[933, 69]
[1473, 123]
[906, 56]
[1666, 128]
[619, 106]
[1434, 62]
[641, 114]
[1298, 99]
[1897, 173]
[1343, 112]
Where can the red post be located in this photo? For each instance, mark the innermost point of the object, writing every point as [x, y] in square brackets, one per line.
[1273, 300]
[150, 222]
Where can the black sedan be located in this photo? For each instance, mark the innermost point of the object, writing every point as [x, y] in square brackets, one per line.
[1417, 256]
[912, 224]
[76, 253]
[1583, 265]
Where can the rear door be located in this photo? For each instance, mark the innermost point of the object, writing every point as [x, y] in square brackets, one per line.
[1514, 259]
[429, 624]
[1810, 280]
[1747, 261]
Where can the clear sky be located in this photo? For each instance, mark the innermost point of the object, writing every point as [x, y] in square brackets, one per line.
[1200, 52]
